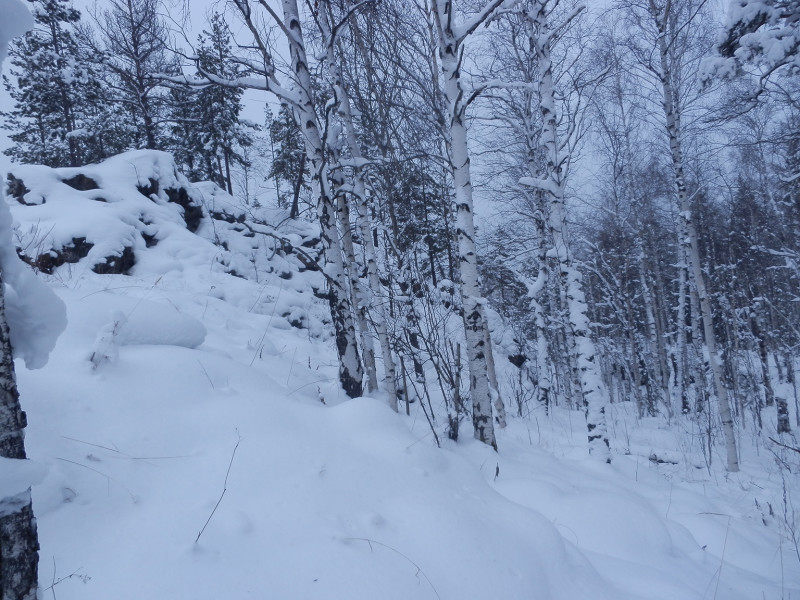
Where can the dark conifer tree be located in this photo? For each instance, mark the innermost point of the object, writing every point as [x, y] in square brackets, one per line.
[289, 157]
[220, 133]
[56, 96]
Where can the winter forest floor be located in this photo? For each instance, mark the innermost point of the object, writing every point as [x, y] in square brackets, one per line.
[197, 445]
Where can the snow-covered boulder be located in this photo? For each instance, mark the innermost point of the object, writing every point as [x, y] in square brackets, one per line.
[106, 213]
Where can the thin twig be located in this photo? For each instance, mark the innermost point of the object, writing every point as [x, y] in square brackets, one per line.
[108, 478]
[75, 573]
[774, 441]
[419, 569]
[120, 452]
[722, 558]
[207, 375]
[224, 486]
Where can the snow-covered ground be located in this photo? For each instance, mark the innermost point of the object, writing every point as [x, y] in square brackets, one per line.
[193, 443]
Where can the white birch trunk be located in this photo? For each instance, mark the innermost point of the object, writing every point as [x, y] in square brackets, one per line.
[537, 292]
[350, 371]
[358, 299]
[475, 323]
[19, 544]
[594, 394]
[681, 348]
[376, 300]
[690, 244]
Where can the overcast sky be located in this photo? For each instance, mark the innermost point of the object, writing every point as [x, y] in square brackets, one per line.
[193, 15]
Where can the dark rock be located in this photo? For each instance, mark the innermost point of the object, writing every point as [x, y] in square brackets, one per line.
[297, 322]
[117, 265]
[222, 215]
[517, 360]
[17, 190]
[51, 260]
[654, 458]
[149, 240]
[82, 183]
[192, 213]
[308, 264]
[149, 190]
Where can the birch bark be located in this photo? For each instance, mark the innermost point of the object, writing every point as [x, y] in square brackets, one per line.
[376, 299]
[350, 369]
[450, 43]
[661, 17]
[19, 543]
[19, 557]
[552, 182]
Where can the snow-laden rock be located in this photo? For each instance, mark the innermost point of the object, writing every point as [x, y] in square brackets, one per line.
[103, 215]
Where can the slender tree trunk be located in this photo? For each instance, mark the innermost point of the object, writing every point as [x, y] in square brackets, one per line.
[19, 545]
[690, 243]
[294, 212]
[358, 299]
[350, 369]
[538, 294]
[657, 340]
[376, 301]
[475, 323]
[552, 183]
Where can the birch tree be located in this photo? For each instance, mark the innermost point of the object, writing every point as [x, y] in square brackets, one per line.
[539, 25]
[41, 314]
[297, 92]
[451, 37]
[19, 544]
[670, 58]
[326, 22]
[632, 188]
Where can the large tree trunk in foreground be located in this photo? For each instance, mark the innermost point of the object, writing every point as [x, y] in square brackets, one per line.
[19, 545]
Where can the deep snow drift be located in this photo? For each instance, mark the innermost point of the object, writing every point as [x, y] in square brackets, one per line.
[197, 396]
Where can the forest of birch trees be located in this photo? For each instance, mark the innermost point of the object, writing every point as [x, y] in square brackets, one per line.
[522, 204]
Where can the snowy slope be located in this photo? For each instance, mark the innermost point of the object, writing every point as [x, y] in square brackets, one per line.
[180, 381]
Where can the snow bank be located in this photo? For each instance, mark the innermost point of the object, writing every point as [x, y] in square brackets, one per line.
[18, 476]
[327, 497]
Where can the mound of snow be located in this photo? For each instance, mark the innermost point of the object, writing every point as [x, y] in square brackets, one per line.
[135, 214]
[103, 215]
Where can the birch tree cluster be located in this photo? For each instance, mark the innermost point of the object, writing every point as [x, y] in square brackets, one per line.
[523, 205]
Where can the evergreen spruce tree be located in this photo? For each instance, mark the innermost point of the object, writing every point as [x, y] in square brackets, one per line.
[288, 158]
[55, 94]
[184, 141]
[220, 132]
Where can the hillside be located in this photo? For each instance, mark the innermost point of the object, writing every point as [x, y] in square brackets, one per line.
[197, 444]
